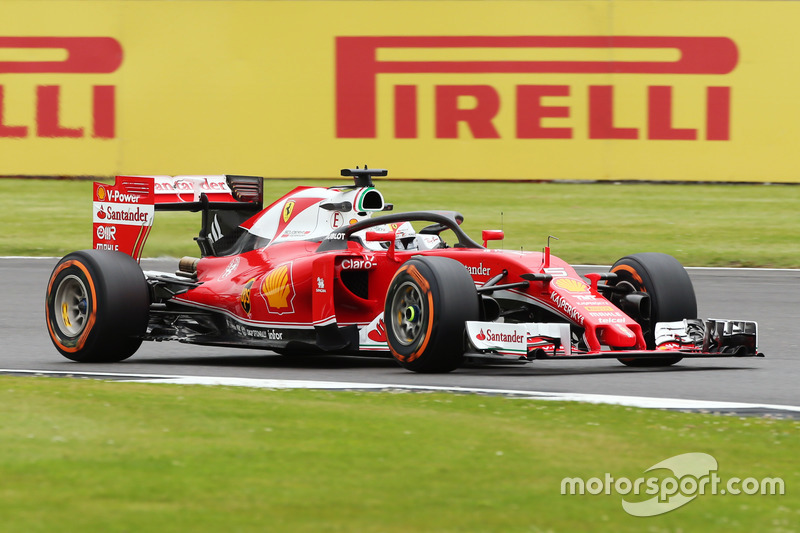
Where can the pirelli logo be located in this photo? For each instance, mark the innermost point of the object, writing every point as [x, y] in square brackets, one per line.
[68, 56]
[361, 60]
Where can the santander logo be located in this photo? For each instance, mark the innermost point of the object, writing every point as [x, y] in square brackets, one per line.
[514, 337]
[379, 333]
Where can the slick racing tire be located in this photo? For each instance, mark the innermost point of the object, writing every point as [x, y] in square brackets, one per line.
[427, 304]
[671, 294]
[97, 306]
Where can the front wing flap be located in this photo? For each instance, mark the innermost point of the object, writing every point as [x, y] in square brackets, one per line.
[685, 338]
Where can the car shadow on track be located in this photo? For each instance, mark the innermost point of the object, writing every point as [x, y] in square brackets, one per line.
[612, 369]
[334, 362]
[316, 362]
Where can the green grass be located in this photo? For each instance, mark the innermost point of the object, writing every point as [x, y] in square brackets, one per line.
[701, 225]
[88, 456]
[79, 455]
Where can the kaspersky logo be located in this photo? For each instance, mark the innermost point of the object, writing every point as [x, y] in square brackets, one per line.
[55, 56]
[361, 60]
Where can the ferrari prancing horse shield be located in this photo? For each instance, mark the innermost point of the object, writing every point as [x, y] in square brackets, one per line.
[287, 210]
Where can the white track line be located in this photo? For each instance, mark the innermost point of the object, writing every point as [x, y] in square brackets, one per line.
[629, 401]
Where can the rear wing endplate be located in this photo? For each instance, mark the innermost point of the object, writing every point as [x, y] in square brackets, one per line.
[123, 212]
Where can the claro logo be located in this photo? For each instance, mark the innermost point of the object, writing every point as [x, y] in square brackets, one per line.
[360, 60]
[60, 55]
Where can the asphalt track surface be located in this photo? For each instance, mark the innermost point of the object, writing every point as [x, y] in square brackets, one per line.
[770, 297]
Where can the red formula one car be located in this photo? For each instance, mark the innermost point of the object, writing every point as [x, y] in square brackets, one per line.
[315, 272]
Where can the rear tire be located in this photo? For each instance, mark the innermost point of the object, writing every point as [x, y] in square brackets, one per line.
[427, 304]
[671, 294]
[97, 306]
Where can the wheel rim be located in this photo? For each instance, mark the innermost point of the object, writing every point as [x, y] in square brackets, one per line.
[71, 306]
[407, 316]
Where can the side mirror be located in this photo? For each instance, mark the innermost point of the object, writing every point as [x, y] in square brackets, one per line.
[378, 236]
[491, 235]
[384, 236]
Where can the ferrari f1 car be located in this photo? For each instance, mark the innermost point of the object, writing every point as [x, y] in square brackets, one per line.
[316, 272]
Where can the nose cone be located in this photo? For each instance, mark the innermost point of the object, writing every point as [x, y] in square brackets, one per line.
[617, 335]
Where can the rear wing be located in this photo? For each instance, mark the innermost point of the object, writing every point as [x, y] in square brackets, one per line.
[123, 213]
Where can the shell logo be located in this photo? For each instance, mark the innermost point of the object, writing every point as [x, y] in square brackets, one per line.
[379, 333]
[571, 285]
[101, 193]
[277, 290]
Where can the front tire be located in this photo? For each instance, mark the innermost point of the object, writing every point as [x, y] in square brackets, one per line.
[671, 294]
[427, 304]
[97, 306]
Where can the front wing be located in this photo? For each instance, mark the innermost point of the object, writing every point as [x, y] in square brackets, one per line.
[686, 338]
